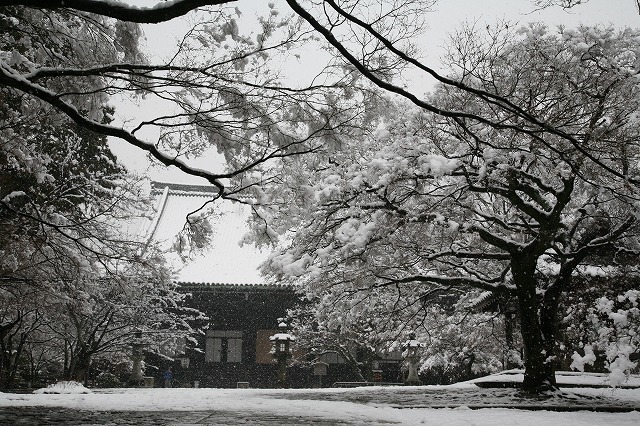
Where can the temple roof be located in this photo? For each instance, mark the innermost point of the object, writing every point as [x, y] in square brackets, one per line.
[223, 261]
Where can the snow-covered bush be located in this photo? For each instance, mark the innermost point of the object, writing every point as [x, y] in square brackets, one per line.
[616, 334]
[64, 387]
[462, 345]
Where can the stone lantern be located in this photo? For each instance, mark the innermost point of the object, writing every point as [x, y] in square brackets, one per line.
[137, 356]
[412, 357]
[281, 351]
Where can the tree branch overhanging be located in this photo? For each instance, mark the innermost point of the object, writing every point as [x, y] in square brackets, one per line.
[536, 126]
[496, 285]
[161, 12]
[13, 79]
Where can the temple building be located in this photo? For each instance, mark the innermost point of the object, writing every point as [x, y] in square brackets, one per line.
[223, 282]
[243, 310]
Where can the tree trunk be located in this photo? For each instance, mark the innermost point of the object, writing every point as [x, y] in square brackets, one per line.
[356, 368]
[539, 375]
[509, 321]
[351, 360]
[469, 367]
[78, 367]
[76, 373]
[6, 378]
[8, 353]
[549, 313]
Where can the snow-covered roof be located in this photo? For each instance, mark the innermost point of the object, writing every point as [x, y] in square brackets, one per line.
[243, 287]
[223, 261]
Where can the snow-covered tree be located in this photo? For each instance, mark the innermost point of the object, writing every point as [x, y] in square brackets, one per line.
[603, 325]
[93, 318]
[549, 103]
[19, 320]
[218, 89]
[366, 325]
[82, 314]
[498, 203]
[567, 4]
[74, 278]
[61, 188]
[461, 344]
[359, 326]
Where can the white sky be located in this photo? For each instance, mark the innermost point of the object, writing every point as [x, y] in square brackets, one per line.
[223, 260]
[449, 15]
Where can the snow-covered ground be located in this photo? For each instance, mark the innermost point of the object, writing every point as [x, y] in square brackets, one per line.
[459, 404]
[563, 378]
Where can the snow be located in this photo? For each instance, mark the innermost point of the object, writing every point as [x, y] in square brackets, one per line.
[354, 232]
[563, 378]
[579, 361]
[282, 336]
[438, 165]
[13, 195]
[459, 404]
[296, 268]
[253, 402]
[64, 387]
[619, 318]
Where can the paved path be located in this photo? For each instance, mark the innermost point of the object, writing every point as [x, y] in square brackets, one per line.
[47, 416]
[401, 398]
[475, 398]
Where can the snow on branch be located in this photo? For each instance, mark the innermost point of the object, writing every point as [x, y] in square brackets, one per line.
[496, 285]
[12, 78]
[525, 122]
[161, 12]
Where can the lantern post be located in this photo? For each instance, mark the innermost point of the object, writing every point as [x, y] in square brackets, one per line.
[137, 356]
[281, 351]
[412, 357]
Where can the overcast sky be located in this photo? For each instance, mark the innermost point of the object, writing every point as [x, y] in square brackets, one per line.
[447, 16]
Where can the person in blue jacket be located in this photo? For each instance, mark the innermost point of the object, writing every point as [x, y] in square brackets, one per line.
[167, 376]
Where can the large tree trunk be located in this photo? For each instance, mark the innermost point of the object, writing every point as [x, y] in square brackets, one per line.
[538, 343]
[77, 373]
[509, 321]
[355, 366]
[11, 345]
[78, 367]
[7, 371]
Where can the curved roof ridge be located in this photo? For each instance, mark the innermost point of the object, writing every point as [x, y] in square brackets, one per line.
[190, 190]
[160, 206]
[182, 187]
[213, 284]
